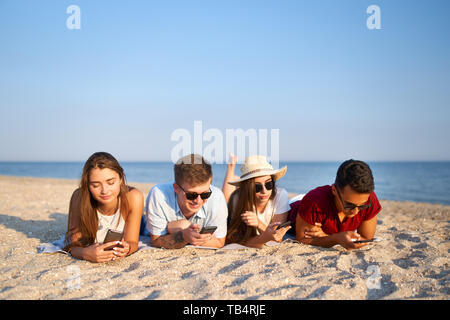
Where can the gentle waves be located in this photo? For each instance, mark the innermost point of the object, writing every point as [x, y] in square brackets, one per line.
[402, 181]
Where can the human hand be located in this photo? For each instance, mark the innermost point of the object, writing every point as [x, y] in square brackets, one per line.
[97, 253]
[231, 166]
[345, 240]
[121, 250]
[192, 235]
[273, 234]
[314, 231]
[250, 218]
[232, 160]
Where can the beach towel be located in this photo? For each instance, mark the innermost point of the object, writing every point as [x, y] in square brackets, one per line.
[58, 245]
[234, 246]
[145, 244]
[296, 198]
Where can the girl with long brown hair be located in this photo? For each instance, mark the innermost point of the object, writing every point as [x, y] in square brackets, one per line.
[103, 201]
[256, 207]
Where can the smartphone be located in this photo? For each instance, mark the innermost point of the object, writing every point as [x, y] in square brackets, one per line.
[208, 229]
[365, 241]
[284, 224]
[112, 235]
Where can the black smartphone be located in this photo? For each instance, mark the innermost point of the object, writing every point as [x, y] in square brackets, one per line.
[284, 224]
[364, 241]
[112, 235]
[208, 229]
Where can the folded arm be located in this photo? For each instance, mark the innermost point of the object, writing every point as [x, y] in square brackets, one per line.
[365, 231]
[133, 222]
[181, 233]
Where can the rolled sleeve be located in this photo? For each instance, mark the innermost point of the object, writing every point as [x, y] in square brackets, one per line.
[307, 211]
[157, 221]
[282, 203]
[219, 214]
[375, 207]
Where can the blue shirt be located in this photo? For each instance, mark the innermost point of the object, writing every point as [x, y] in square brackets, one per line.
[161, 207]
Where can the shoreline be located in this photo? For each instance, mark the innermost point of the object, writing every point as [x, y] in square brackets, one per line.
[145, 187]
[412, 261]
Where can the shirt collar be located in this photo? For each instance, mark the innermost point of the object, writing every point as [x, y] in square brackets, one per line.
[200, 213]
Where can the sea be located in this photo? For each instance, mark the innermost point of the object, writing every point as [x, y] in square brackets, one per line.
[401, 181]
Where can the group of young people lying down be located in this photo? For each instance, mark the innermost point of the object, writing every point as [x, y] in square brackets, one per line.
[106, 216]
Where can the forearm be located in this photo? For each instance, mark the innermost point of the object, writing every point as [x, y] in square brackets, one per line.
[366, 233]
[215, 243]
[324, 242]
[261, 226]
[227, 188]
[78, 252]
[133, 247]
[170, 241]
[257, 241]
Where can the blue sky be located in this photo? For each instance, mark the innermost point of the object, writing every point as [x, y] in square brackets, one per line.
[138, 70]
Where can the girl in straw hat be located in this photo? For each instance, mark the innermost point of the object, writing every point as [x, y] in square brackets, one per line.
[256, 206]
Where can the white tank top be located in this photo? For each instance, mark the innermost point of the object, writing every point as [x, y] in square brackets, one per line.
[114, 222]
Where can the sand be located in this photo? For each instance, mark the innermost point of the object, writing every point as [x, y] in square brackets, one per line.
[412, 261]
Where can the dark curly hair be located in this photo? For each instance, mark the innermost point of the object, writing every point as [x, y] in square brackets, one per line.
[357, 175]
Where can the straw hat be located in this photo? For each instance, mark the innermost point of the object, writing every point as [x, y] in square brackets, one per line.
[257, 166]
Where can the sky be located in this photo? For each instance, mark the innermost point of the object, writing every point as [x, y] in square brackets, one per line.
[135, 72]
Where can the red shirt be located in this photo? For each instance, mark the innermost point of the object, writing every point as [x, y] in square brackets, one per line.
[318, 206]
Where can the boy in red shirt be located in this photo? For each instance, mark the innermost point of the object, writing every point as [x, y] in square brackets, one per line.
[336, 214]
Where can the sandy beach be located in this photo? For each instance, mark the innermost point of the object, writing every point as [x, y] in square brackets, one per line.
[412, 261]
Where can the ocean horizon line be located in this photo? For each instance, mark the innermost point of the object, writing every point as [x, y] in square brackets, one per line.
[422, 181]
[291, 192]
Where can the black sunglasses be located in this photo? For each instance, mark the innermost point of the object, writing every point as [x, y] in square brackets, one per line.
[351, 206]
[259, 187]
[194, 195]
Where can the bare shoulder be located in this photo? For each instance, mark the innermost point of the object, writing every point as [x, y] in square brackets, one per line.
[134, 194]
[75, 205]
[76, 197]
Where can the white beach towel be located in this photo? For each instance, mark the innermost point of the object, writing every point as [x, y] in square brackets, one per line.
[237, 246]
[296, 198]
[58, 245]
[145, 244]
[234, 246]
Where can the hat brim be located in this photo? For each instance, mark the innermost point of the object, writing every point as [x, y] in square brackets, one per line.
[277, 174]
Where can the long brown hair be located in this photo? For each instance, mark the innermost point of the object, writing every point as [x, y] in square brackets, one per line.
[87, 223]
[241, 200]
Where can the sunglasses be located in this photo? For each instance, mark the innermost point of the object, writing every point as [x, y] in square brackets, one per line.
[194, 195]
[351, 206]
[259, 187]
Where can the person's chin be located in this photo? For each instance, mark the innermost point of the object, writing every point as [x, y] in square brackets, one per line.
[194, 208]
[105, 200]
[264, 199]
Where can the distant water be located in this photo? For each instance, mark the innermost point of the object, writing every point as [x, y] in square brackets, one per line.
[412, 181]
